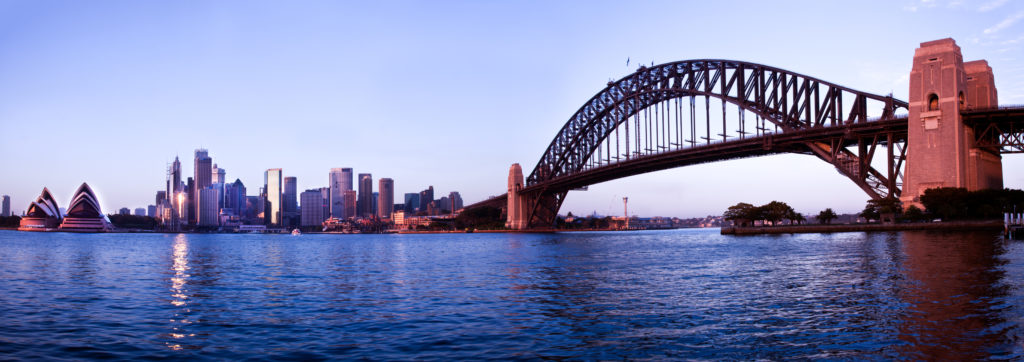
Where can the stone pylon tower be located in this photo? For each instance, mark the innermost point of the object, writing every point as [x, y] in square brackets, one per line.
[940, 146]
[516, 218]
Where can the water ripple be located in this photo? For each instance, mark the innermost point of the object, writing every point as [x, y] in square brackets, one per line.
[685, 294]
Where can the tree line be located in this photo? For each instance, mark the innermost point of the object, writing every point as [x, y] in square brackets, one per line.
[946, 203]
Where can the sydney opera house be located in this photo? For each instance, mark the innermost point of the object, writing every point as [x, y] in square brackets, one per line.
[83, 214]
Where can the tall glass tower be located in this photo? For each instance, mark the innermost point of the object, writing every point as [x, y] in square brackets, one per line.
[339, 181]
[272, 184]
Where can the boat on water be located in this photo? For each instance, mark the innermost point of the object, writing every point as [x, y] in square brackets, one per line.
[296, 232]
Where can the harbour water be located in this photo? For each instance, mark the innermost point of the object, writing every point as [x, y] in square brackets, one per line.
[615, 295]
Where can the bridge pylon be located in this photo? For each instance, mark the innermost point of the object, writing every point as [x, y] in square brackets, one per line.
[942, 147]
[516, 218]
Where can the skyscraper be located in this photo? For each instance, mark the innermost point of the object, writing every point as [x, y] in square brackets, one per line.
[365, 203]
[426, 197]
[312, 208]
[272, 186]
[5, 209]
[349, 200]
[207, 199]
[217, 175]
[412, 202]
[456, 200]
[203, 179]
[235, 199]
[339, 180]
[291, 202]
[151, 210]
[175, 199]
[139, 211]
[386, 198]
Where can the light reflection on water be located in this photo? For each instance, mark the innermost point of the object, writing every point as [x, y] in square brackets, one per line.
[663, 294]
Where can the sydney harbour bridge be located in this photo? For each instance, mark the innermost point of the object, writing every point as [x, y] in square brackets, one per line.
[951, 133]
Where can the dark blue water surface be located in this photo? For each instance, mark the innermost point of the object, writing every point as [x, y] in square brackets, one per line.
[657, 294]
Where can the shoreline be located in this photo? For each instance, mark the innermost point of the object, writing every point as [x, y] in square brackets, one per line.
[805, 229]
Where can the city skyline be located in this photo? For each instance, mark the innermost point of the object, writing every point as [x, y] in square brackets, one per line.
[221, 71]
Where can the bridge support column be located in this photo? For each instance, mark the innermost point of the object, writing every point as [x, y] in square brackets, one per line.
[941, 147]
[517, 218]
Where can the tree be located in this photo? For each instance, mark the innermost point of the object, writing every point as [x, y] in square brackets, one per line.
[878, 209]
[775, 211]
[914, 213]
[740, 214]
[826, 216]
[796, 217]
[484, 217]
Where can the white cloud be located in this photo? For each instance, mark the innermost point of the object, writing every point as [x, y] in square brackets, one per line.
[1005, 23]
[992, 5]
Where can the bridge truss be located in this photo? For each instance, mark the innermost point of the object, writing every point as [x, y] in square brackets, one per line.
[696, 111]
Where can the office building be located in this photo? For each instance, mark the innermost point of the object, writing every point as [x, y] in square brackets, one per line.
[139, 211]
[456, 200]
[209, 214]
[290, 199]
[339, 181]
[385, 198]
[312, 202]
[151, 210]
[5, 208]
[217, 175]
[412, 202]
[349, 200]
[124, 211]
[203, 178]
[235, 202]
[365, 203]
[426, 198]
[272, 189]
[254, 209]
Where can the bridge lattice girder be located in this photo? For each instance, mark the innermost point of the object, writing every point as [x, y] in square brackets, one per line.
[791, 102]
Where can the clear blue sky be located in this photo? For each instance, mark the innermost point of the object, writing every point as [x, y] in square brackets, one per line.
[436, 93]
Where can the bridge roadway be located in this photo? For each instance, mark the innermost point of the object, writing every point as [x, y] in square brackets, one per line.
[773, 143]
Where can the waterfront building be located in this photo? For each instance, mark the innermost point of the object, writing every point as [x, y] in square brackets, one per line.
[312, 202]
[254, 209]
[426, 198]
[412, 203]
[190, 201]
[139, 211]
[385, 198]
[209, 214]
[456, 201]
[43, 213]
[5, 208]
[235, 199]
[272, 188]
[325, 192]
[373, 208]
[151, 210]
[444, 205]
[174, 197]
[84, 212]
[365, 204]
[290, 200]
[203, 179]
[339, 181]
[124, 211]
[349, 201]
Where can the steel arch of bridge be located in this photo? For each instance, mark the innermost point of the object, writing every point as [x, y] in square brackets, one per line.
[791, 102]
